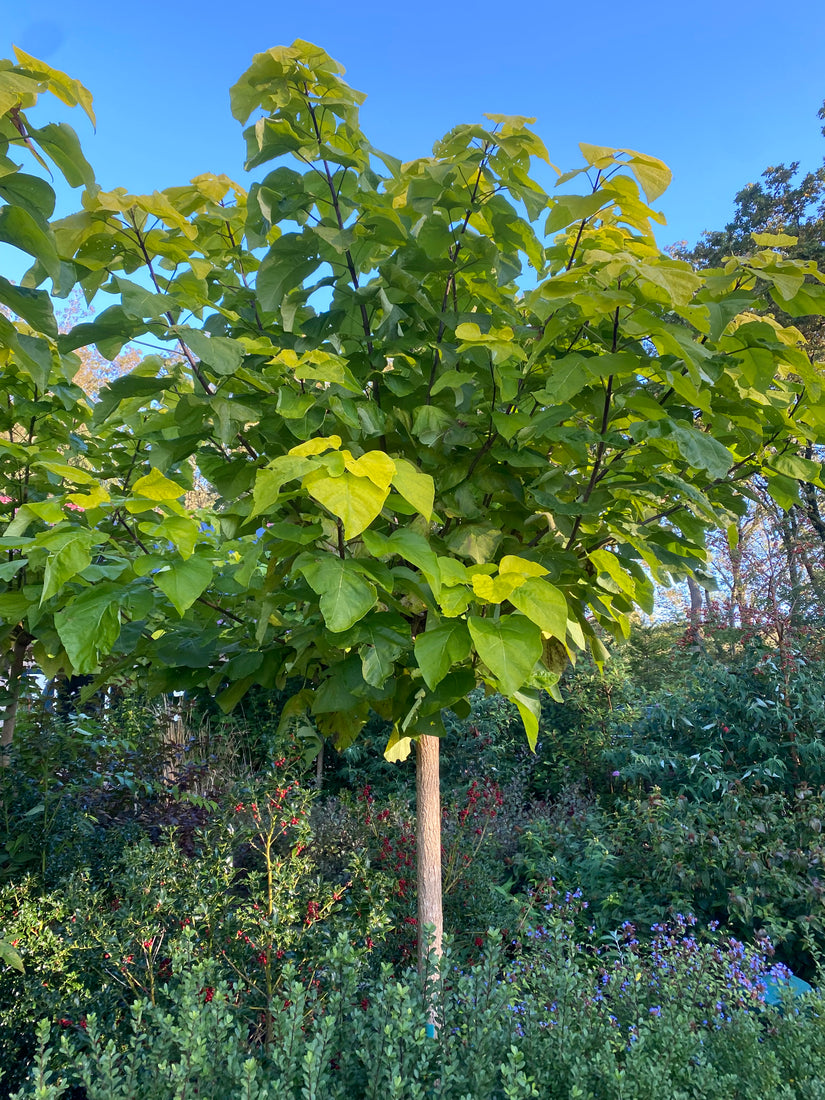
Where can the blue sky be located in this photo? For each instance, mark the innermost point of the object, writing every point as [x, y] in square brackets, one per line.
[718, 90]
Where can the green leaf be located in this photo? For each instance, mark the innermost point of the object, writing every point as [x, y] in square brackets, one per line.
[783, 490]
[801, 469]
[567, 209]
[509, 647]
[130, 385]
[9, 569]
[61, 144]
[113, 325]
[71, 559]
[19, 229]
[344, 726]
[345, 596]
[439, 649]
[30, 192]
[701, 450]
[607, 563]
[429, 423]
[543, 604]
[11, 957]
[73, 474]
[566, 377]
[381, 640]
[89, 626]
[182, 531]
[809, 300]
[415, 548]
[356, 501]
[223, 355]
[477, 541]
[290, 260]
[184, 581]
[232, 695]
[329, 370]
[35, 356]
[678, 279]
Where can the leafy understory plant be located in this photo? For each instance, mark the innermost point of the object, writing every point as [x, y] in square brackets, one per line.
[562, 1020]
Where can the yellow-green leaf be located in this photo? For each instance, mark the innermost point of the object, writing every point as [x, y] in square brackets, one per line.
[398, 748]
[155, 487]
[356, 501]
[529, 707]
[375, 465]
[70, 91]
[495, 589]
[511, 563]
[440, 649]
[415, 487]
[543, 604]
[317, 446]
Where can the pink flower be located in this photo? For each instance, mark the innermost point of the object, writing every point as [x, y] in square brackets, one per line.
[74, 507]
[4, 499]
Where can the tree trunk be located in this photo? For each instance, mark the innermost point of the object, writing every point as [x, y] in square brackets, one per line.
[814, 577]
[811, 506]
[736, 593]
[695, 628]
[319, 767]
[789, 545]
[14, 684]
[428, 848]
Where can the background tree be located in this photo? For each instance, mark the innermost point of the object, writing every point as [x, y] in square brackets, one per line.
[786, 210]
[42, 411]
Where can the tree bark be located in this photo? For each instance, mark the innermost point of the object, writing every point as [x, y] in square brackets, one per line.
[811, 507]
[695, 628]
[319, 768]
[428, 849]
[17, 662]
[789, 545]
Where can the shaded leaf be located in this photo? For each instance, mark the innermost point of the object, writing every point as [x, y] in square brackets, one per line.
[184, 581]
[345, 596]
[509, 647]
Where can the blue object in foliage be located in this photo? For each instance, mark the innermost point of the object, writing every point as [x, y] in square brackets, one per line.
[779, 986]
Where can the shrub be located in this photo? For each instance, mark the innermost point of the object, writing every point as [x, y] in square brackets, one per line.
[751, 859]
[684, 1020]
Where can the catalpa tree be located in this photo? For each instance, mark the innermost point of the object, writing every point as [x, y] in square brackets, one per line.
[456, 429]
